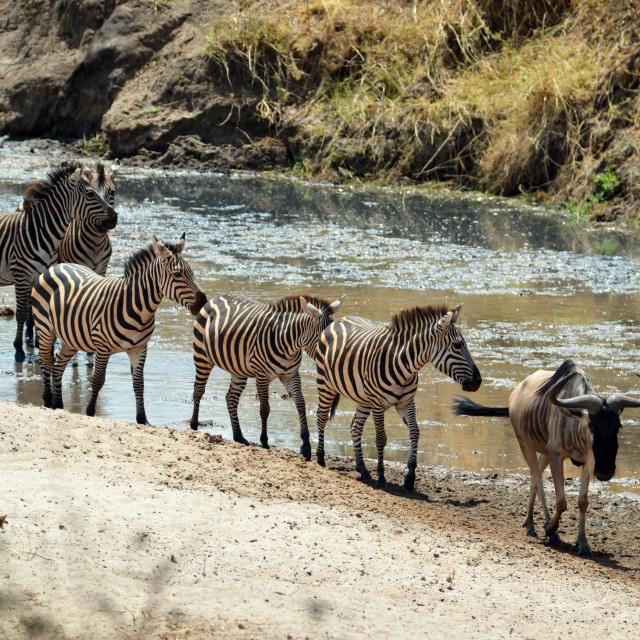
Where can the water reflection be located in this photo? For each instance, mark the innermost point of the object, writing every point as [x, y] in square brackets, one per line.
[535, 291]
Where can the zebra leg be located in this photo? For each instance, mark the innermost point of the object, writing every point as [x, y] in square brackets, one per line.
[408, 414]
[138, 357]
[381, 441]
[325, 400]
[65, 353]
[203, 371]
[46, 363]
[294, 387]
[23, 292]
[360, 417]
[262, 385]
[28, 328]
[102, 358]
[233, 398]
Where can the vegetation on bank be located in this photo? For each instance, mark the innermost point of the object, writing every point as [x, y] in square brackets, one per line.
[509, 97]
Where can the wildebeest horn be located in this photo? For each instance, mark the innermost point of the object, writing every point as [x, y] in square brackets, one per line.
[591, 402]
[619, 402]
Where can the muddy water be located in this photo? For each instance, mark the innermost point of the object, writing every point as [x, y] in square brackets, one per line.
[536, 290]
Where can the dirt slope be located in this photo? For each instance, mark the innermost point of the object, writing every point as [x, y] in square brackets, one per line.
[118, 530]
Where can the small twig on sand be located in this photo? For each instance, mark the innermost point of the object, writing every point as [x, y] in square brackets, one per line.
[33, 553]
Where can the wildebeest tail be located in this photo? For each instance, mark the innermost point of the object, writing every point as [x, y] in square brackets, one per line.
[463, 406]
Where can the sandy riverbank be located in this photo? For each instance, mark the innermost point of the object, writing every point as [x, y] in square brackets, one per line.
[119, 531]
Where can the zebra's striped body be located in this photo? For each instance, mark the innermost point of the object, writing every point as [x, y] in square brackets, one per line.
[258, 340]
[85, 242]
[555, 416]
[377, 365]
[108, 315]
[30, 238]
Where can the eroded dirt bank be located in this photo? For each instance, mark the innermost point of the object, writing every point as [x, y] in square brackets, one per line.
[117, 530]
[533, 96]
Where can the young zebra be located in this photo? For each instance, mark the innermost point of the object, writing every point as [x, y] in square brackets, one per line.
[262, 341]
[377, 366]
[108, 315]
[85, 242]
[30, 238]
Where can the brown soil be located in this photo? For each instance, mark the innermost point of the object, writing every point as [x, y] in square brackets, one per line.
[118, 530]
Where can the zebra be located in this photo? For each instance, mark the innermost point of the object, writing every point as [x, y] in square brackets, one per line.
[376, 365]
[85, 242]
[258, 340]
[108, 315]
[30, 238]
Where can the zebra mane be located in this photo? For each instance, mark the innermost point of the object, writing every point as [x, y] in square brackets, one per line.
[39, 190]
[101, 177]
[407, 318]
[292, 303]
[143, 257]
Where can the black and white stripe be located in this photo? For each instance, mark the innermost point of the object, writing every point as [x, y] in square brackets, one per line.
[108, 315]
[376, 366]
[258, 340]
[30, 238]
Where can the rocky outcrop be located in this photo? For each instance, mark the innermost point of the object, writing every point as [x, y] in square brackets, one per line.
[132, 73]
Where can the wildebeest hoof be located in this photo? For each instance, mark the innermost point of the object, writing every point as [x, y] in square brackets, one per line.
[532, 533]
[305, 450]
[585, 551]
[554, 539]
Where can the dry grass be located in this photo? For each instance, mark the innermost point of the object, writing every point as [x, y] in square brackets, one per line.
[504, 95]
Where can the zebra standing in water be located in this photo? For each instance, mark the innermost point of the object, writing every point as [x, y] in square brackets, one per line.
[377, 366]
[262, 341]
[85, 242]
[108, 315]
[30, 238]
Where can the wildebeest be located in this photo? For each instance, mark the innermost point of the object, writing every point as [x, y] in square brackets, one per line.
[558, 416]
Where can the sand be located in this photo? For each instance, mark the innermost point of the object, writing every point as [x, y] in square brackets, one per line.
[115, 530]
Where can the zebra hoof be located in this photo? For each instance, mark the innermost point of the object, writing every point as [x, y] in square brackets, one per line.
[194, 425]
[382, 483]
[91, 410]
[265, 444]
[242, 440]
[320, 459]
[305, 450]
[48, 401]
[57, 405]
[20, 356]
[365, 476]
[410, 480]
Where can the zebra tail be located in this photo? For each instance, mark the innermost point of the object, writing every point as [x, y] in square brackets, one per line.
[463, 406]
[334, 406]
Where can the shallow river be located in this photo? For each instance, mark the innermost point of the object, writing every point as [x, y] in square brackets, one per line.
[536, 290]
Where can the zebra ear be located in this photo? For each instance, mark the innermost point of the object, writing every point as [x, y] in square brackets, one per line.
[76, 176]
[444, 322]
[456, 312]
[333, 308]
[314, 312]
[160, 250]
[115, 167]
[180, 243]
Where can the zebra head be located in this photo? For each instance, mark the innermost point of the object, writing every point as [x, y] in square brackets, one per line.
[177, 281]
[450, 354]
[102, 181]
[87, 204]
[321, 319]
